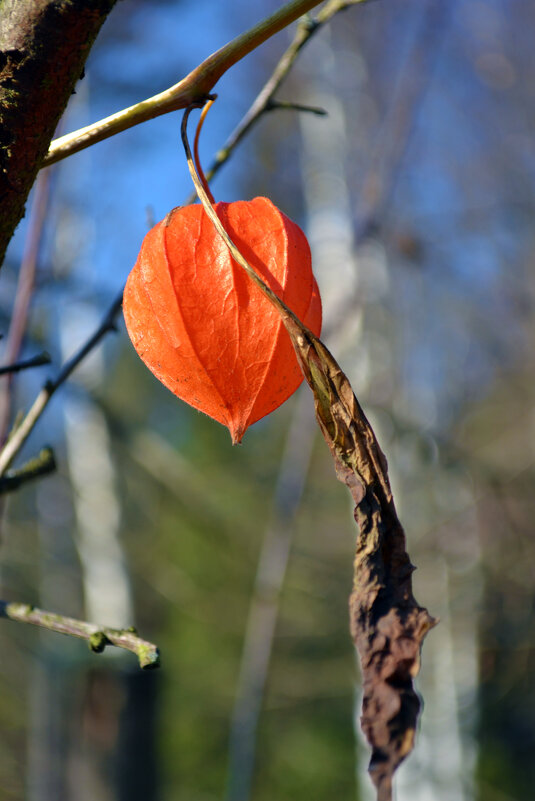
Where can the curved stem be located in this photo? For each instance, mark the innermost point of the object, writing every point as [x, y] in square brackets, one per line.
[198, 165]
[288, 317]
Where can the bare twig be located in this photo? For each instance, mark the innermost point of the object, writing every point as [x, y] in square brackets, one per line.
[23, 297]
[97, 637]
[21, 431]
[190, 89]
[25, 364]
[43, 464]
[286, 105]
[264, 102]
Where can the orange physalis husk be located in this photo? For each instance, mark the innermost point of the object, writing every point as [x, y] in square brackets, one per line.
[201, 325]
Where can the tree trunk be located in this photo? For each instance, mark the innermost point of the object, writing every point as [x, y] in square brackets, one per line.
[43, 48]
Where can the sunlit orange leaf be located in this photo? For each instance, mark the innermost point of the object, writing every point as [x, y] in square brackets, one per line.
[200, 324]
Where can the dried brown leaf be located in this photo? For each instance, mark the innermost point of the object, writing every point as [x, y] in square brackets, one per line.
[387, 624]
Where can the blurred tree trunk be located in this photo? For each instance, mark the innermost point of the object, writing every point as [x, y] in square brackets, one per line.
[43, 48]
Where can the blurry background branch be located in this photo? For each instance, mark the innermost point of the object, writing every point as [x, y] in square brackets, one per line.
[42, 465]
[25, 364]
[264, 605]
[24, 293]
[23, 429]
[98, 637]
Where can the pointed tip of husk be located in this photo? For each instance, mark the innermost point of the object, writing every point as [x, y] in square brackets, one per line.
[237, 433]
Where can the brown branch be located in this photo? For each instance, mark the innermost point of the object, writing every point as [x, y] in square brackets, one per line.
[387, 624]
[26, 364]
[43, 48]
[22, 431]
[24, 293]
[193, 88]
[97, 637]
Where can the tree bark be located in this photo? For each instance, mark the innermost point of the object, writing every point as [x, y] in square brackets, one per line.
[43, 47]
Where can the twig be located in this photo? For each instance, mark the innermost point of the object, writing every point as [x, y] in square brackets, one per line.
[263, 102]
[97, 637]
[25, 288]
[190, 89]
[25, 364]
[41, 465]
[287, 105]
[21, 431]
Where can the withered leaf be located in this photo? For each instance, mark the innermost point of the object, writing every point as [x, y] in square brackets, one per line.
[387, 624]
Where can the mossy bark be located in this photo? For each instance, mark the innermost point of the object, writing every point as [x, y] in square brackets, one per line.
[43, 48]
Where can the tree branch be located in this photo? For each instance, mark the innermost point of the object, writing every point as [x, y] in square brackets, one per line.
[22, 431]
[97, 637]
[41, 465]
[43, 48]
[194, 87]
[263, 103]
[25, 364]
[24, 293]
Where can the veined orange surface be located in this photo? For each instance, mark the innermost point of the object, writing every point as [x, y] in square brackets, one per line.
[201, 325]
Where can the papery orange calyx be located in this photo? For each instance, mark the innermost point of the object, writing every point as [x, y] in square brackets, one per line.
[201, 325]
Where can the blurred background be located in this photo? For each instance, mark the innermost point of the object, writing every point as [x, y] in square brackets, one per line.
[417, 193]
